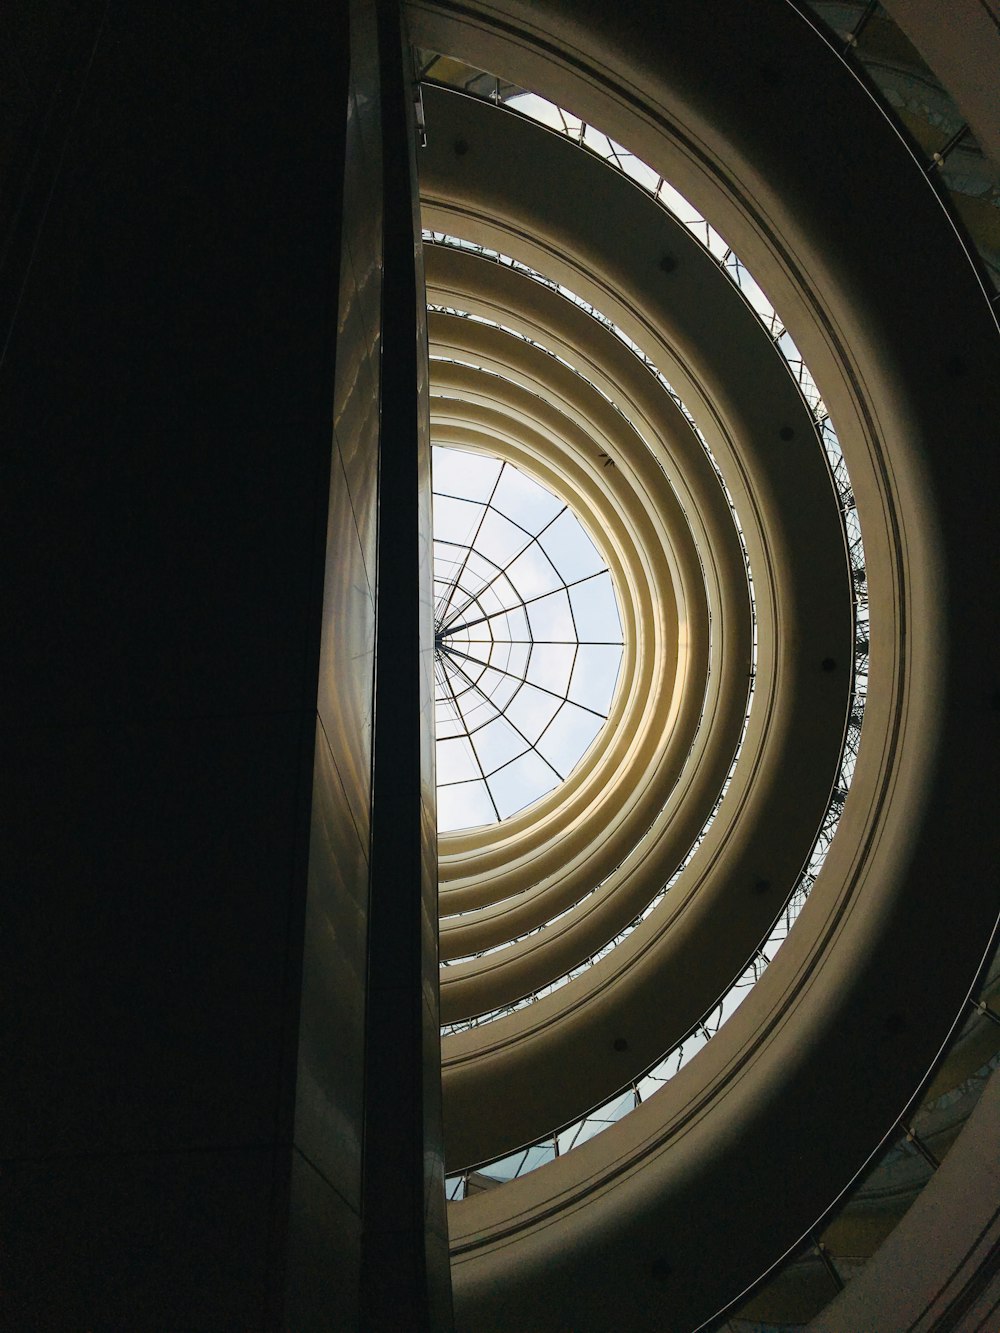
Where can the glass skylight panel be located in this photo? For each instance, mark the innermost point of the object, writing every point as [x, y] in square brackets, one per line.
[453, 474]
[520, 783]
[523, 602]
[532, 505]
[551, 618]
[552, 665]
[545, 112]
[531, 709]
[568, 736]
[567, 545]
[456, 761]
[464, 805]
[534, 572]
[593, 602]
[594, 674]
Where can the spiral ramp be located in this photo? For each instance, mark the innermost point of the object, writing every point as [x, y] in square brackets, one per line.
[648, 1102]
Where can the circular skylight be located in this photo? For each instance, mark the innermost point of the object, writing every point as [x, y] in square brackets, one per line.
[527, 639]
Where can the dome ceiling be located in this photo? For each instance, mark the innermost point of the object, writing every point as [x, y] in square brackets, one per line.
[612, 975]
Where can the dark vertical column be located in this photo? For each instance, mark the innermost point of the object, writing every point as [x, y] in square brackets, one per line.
[326, 1164]
[170, 314]
[405, 1272]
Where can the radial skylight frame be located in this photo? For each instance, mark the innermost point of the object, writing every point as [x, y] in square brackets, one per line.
[528, 639]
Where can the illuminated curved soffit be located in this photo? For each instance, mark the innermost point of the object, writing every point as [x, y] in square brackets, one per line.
[566, 1137]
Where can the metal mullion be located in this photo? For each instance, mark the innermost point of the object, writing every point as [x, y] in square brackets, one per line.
[475, 752]
[456, 583]
[514, 727]
[576, 651]
[492, 648]
[572, 616]
[442, 602]
[464, 782]
[524, 681]
[568, 700]
[468, 552]
[439, 675]
[565, 643]
[472, 597]
[576, 654]
[521, 552]
[454, 629]
[472, 685]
